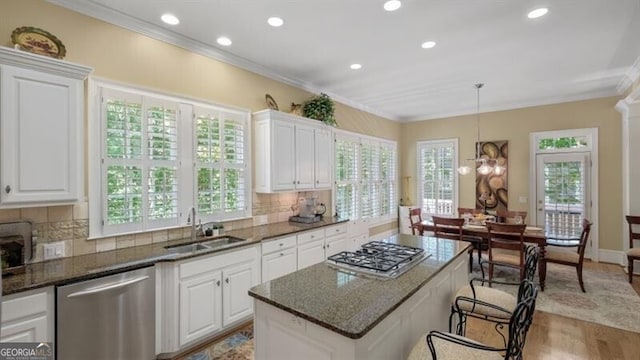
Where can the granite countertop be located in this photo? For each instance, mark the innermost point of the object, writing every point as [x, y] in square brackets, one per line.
[77, 268]
[352, 305]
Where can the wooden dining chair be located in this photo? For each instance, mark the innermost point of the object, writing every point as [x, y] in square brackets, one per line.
[509, 217]
[506, 246]
[415, 218]
[439, 222]
[571, 258]
[632, 253]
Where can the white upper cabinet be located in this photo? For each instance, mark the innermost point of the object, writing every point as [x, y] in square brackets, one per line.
[41, 129]
[291, 153]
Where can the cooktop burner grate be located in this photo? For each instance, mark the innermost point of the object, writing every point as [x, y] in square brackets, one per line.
[379, 258]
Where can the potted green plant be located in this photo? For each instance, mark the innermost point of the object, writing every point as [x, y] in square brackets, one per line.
[320, 107]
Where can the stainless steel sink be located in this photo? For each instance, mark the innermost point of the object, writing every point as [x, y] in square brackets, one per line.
[187, 248]
[203, 245]
[221, 241]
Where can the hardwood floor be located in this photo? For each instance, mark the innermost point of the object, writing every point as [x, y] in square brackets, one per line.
[555, 337]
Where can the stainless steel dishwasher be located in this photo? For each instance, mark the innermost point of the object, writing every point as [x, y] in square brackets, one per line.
[110, 318]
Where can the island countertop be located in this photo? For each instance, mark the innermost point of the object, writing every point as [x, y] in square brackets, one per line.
[351, 305]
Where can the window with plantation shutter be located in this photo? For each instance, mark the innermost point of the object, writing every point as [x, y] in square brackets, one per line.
[346, 158]
[161, 155]
[221, 148]
[366, 174]
[140, 162]
[162, 148]
[437, 180]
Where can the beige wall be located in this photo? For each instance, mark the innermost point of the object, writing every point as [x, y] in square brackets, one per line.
[515, 126]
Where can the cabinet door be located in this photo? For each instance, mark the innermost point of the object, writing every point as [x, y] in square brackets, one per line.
[310, 253]
[278, 264]
[336, 244]
[305, 158]
[324, 158]
[283, 173]
[39, 136]
[28, 317]
[237, 304]
[200, 306]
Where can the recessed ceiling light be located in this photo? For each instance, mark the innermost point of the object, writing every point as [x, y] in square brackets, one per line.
[224, 41]
[355, 66]
[537, 13]
[170, 19]
[275, 21]
[428, 44]
[392, 5]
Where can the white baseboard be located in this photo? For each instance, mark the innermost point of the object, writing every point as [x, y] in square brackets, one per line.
[612, 256]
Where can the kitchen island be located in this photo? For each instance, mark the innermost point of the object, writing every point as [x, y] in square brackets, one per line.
[321, 312]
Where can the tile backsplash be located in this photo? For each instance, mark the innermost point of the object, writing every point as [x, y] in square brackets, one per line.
[70, 223]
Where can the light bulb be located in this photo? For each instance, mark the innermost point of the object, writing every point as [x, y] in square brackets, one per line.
[464, 170]
[484, 169]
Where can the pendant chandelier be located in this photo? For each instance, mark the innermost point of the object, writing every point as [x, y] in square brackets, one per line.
[487, 166]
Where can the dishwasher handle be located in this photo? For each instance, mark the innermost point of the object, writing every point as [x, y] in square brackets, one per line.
[108, 287]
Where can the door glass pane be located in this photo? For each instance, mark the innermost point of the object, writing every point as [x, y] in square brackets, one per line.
[564, 197]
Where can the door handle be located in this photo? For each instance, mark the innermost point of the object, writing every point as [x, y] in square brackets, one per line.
[108, 287]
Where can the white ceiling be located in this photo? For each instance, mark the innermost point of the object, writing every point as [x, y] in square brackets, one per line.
[581, 49]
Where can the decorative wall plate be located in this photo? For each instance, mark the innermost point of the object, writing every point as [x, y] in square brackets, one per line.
[38, 41]
[271, 104]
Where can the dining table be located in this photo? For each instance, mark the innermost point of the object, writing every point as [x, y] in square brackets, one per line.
[532, 235]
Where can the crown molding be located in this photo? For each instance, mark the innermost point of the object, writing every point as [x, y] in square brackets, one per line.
[153, 31]
[23, 59]
[520, 104]
[629, 78]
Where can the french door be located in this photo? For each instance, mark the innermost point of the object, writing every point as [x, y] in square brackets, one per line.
[562, 196]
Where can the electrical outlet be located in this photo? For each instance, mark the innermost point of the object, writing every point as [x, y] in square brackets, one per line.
[53, 250]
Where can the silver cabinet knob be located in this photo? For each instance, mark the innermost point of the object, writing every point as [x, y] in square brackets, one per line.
[7, 189]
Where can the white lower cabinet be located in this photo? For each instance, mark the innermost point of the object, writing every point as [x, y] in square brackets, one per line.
[202, 296]
[202, 293]
[238, 279]
[279, 257]
[28, 316]
[315, 246]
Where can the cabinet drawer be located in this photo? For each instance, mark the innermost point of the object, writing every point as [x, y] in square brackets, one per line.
[278, 244]
[310, 236]
[336, 230]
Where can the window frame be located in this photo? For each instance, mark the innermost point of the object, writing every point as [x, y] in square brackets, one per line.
[186, 160]
[438, 144]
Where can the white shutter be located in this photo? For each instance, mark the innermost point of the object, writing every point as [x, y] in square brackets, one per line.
[436, 176]
[221, 152]
[346, 157]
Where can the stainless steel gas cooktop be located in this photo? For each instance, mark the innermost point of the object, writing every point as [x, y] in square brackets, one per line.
[379, 259]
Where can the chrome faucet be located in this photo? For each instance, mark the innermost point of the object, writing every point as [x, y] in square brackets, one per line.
[192, 220]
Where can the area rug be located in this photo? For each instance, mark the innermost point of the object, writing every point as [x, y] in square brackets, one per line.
[610, 300]
[237, 346]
